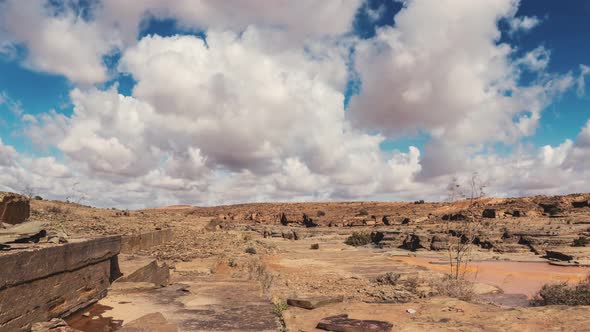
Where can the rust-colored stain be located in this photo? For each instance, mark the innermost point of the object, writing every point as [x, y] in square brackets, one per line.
[512, 277]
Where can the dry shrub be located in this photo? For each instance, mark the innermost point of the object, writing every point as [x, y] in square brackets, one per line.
[359, 239]
[449, 286]
[363, 212]
[258, 271]
[389, 278]
[56, 209]
[315, 246]
[250, 250]
[279, 305]
[564, 294]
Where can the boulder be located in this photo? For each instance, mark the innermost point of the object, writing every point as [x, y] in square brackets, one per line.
[342, 323]
[414, 242]
[386, 221]
[14, 208]
[489, 213]
[580, 204]
[284, 220]
[307, 221]
[454, 216]
[314, 302]
[558, 255]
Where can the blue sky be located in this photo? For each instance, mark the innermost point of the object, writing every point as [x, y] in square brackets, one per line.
[39, 75]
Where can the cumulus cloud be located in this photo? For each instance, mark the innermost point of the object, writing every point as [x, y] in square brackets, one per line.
[58, 41]
[451, 79]
[255, 112]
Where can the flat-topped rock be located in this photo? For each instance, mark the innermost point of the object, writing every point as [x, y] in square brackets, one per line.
[342, 323]
[314, 302]
[44, 260]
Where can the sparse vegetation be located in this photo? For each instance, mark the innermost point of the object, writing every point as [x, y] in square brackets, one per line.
[279, 305]
[315, 246]
[564, 294]
[449, 285]
[258, 271]
[358, 239]
[465, 229]
[389, 278]
[232, 263]
[38, 198]
[250, 250]
[56, 209]
[320, 213]
[582, 241]
[363, 212]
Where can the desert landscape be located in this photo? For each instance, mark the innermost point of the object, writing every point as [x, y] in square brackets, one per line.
[302, 266]
[294, 165]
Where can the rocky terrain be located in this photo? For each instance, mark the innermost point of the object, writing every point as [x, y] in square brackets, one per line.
[296, 256]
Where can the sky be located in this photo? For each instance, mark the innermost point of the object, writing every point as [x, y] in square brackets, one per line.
[131, 104]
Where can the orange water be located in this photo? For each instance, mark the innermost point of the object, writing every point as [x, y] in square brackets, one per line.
[512, 277]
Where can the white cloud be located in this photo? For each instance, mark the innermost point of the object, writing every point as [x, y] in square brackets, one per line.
[581, 81]
[257, 112]
[522, 23]
[451, 79]
[59, 43]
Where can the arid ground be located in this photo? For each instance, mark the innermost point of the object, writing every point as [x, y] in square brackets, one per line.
[234, 267]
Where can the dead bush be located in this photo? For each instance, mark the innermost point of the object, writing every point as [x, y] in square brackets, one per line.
[258, 271]
[363, 212]
[450, 286]
[250, 250]
[563, 294]
[359, 239]
[389, 278]
[56, 209]
[315, 246]
[320, 213]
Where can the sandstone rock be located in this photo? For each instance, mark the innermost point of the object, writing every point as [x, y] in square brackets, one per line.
[416, 241]
[370, 223]
[307, 221]
[454, 216]
[54, 325]
[25, 232]
[154, 322]
[342, 323]
[14, 208]
[580, 204]
[143, 269]
[439, 242]
[489, 213]
[558, 255]
[283, 219]
[313, 302]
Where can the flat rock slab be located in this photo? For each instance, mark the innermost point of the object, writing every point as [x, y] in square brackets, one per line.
[154, 322]
[342, 323]
[143, 269]
[314, 302]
